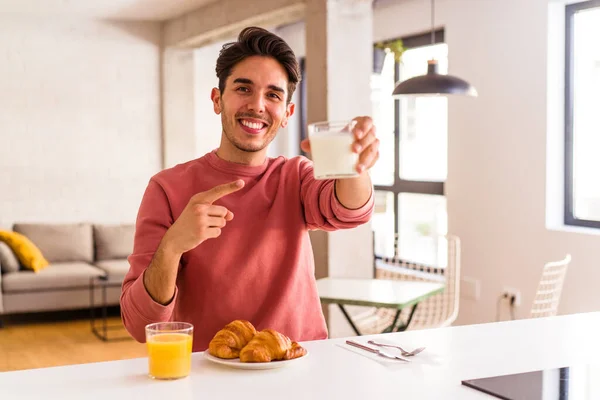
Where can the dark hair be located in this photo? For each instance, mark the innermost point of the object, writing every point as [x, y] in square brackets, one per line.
[254, 41]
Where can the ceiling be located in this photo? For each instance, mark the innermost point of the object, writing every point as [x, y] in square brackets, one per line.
[144, 10]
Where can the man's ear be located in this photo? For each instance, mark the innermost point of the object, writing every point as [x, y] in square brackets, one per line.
[288, 113]
[215, 96]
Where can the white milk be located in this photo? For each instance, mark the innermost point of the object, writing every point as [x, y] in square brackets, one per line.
[332, 155]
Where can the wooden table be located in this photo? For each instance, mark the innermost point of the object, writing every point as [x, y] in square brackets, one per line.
[332, 371]
[381, 293]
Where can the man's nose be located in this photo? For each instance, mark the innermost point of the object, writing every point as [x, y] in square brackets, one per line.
[257, 103]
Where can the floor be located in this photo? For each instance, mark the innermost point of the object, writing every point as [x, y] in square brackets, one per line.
[55, 339]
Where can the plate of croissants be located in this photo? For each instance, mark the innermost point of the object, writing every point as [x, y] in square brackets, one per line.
[240, 345]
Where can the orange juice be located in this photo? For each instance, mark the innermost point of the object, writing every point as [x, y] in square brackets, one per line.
[169, 355]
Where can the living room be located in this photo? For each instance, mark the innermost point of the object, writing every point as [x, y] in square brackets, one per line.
[98, 98]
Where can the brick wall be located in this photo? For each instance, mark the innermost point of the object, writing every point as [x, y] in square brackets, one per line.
[79, 118]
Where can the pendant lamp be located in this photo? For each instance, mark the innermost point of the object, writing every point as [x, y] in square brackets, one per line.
[433, 83]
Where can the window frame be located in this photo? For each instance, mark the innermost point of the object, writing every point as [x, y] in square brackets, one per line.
[569, 215]
[402, 185]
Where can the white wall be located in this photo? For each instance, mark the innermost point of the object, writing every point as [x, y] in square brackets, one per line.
[208, 124]
[496, 184]
[178, 96]
[79, 119]
[287, 141]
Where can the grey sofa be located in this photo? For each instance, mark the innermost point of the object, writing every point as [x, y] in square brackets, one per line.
[77, 253]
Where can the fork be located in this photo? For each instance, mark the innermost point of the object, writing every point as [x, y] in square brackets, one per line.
[404, 352]
[376, 351]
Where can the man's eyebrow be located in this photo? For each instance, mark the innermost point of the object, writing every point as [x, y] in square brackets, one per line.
[243, 80]
[249, 82]
[276, 88]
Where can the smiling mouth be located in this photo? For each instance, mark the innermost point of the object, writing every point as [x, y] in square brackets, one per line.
[252, 126]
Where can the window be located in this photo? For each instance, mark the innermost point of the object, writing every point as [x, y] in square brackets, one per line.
[410, 174]
[582, 119]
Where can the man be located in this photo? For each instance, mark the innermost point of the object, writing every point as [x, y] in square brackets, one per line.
[225, 236]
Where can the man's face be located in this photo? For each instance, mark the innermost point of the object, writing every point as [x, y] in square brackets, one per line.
[253, 104]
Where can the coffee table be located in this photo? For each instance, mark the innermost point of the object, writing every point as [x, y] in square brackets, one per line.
[103, 282]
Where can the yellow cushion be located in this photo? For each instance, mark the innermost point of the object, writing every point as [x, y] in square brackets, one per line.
[28, 254]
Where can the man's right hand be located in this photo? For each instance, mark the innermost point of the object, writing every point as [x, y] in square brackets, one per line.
[200, 219]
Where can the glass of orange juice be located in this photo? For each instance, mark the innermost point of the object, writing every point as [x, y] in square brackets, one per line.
[169, 349]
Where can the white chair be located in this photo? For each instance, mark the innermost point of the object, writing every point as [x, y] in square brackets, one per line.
[547, 297]
[437, 311]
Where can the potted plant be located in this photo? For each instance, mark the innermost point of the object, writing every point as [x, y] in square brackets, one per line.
[424, 229]
[382, 48]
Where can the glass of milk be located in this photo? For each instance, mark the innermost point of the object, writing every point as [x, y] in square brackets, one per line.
[331, 149]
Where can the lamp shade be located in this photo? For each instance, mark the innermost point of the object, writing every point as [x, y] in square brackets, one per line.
[434, 84]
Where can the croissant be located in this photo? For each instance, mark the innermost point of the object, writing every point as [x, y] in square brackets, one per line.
[270, 345]
[228, 342]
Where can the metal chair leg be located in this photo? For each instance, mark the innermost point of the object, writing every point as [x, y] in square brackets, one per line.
[404, 326]
[349, 319]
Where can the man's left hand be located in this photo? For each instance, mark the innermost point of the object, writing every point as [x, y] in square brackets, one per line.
[366, 144]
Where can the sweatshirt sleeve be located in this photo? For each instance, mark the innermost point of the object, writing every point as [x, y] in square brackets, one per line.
[322, 209]
[137, 307]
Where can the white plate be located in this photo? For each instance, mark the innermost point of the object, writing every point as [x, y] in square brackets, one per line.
[236, 363]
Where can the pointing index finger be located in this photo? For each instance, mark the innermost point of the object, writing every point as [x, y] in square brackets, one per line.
[214, 194]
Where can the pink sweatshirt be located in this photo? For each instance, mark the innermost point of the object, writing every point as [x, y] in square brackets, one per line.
[260, 269]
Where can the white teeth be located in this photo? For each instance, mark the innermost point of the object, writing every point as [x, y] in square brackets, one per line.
[252, 125]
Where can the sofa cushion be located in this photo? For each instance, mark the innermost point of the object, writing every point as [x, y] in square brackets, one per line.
[28, 254]
[56, 276]
[113, 241]
[61, 242]
[8, 259]
[115, 269]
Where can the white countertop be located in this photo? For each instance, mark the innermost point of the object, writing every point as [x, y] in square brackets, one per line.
[333, 372]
